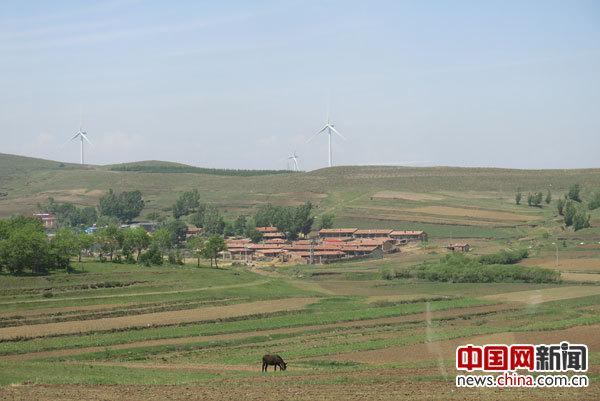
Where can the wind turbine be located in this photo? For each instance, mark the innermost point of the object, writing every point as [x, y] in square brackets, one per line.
[81, 134]
[294, 158]
[328, 129]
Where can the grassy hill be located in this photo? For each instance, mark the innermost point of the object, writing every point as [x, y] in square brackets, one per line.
[446, 201]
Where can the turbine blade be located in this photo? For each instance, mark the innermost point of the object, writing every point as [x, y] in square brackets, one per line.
[84, 136]
[74, 136]
[317, 133]
[336, 131]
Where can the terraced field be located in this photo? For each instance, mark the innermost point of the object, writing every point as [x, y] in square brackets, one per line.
[380, 339]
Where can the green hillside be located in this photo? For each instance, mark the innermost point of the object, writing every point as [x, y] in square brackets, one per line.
[447, 201]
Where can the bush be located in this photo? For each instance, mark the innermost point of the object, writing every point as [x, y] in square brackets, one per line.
[504, 257]
[595, 201]
[151, 257]
[459, 268]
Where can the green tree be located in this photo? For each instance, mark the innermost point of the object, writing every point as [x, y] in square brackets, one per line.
[560, 205]
[537, 199]
[548, 197]
[212, 247]
[529, 199]
[196, 246]
[569, 212]
[581, 219]
[187, 203]
[326, 221]
[213, 222]
[239, 226]
[518, 197]
[66, 243]
[136, 240]
[595, 201]
[177, 231]
[124, 206]
[110, 239]
[574, 193]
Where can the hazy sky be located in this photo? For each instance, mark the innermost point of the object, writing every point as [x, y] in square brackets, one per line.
[242, 84]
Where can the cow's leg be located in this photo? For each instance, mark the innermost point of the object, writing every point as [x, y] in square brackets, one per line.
[275, 367]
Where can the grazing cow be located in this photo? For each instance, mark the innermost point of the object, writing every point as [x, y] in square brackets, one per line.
[274, 360]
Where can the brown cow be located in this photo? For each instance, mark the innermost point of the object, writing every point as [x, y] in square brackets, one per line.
[274, 360]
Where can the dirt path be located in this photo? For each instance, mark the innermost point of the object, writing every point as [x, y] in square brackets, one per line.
[159, 318]
[233, 336]
[445, 350]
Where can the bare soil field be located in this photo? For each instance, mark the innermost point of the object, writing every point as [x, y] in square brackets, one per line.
[572, 264]
[410, 196]
[273, 388]
[545, 295]
[160, 318]
[474, 213]
[581, 277]
[419, 317]
[445, 350]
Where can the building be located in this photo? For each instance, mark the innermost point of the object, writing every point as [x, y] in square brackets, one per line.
[337, 232]
[265, 230]
[48, 219]
[273, 235]
[408, 236]
[372, 233]
[459, 247]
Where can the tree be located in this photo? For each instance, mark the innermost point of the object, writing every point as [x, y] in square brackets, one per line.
[581, 219]
[518, 197]
[177, 231]
[124, 206]
[135, 240]
[187, 203]
[66, 243]
[537, 199]
[548, 197]
[110, 239]
[196, 246]
[574, 193]
[197, 218]
[25, 246]
[569, 213]
[68, 214]
[529, 199]
[213, 222]
[595, 201]
[326, 220]
[560, 205]
[161, 239]
[239, 226]
[288, 219]
[212, 247]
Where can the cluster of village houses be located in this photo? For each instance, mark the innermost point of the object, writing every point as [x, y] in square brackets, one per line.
[330, 245]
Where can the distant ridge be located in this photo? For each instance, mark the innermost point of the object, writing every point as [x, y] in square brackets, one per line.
[155, 166]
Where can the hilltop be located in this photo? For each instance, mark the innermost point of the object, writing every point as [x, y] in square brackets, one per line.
[447, 201]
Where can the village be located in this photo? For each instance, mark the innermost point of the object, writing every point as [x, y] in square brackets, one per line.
[329, 245]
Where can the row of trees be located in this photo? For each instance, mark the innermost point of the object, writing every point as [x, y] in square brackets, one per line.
[534, 199]
[290, 220]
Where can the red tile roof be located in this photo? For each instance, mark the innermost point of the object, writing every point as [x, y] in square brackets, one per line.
[337, 231]
[377, 231]
[266, 229]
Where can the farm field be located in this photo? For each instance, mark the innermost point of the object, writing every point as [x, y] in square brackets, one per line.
[203, 331]
[361, 329]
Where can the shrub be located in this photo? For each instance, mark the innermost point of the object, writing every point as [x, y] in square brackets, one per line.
[504, 257]
[459, 268]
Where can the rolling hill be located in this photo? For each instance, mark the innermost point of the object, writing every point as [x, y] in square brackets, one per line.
[446, 201]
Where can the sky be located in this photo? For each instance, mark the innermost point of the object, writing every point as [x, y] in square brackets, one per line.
[243, 84]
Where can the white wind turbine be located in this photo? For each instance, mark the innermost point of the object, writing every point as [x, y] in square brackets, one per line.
[328, 129]
[294, 158]
[82, 135]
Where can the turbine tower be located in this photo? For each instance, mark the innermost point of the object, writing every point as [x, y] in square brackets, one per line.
[328, 129]
[82, 135]
[294, 158]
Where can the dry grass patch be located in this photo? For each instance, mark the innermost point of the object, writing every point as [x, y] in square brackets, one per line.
[545, 294]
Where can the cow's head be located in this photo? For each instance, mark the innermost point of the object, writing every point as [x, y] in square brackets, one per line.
[283, 365]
